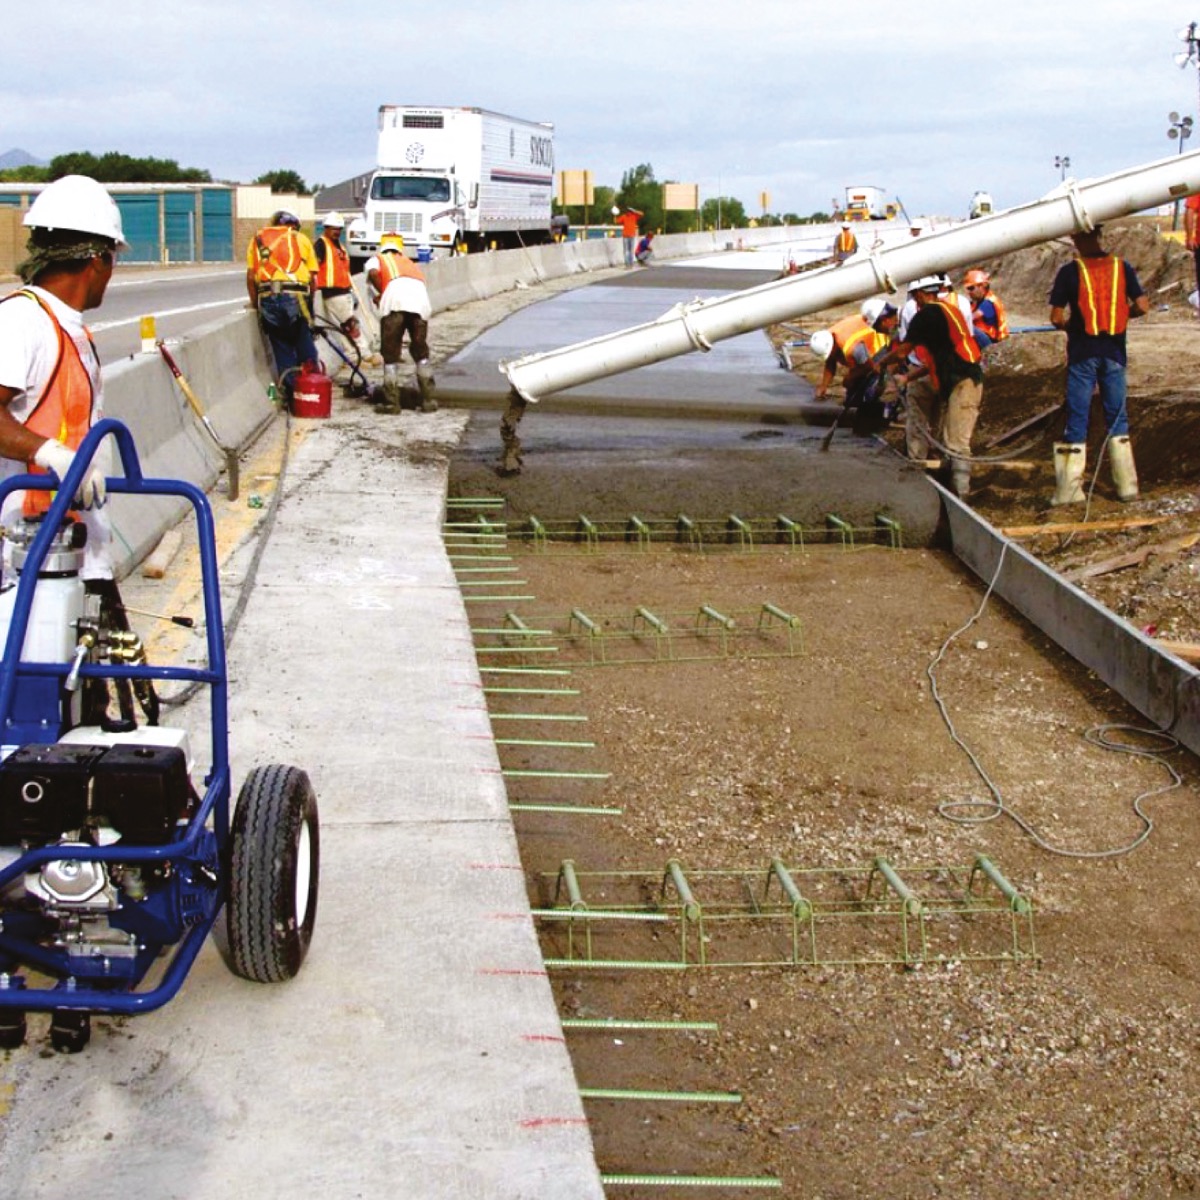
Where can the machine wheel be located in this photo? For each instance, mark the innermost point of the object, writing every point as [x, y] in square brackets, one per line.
[273, 871]
[12, 1028]
[70, 1030]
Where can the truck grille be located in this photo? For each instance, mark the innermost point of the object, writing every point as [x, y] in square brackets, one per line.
[398, 222]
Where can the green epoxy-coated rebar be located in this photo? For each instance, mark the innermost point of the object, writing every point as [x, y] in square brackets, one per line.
[623, 1023]
[581, 809]
[623, 964]
[536, 717]
[485, 571]
[516, 649]
[545, 742]
[588, 1093]
[524, 671]
[487, 583]
[519, 691]
[696, 1181]
[1016, 901]
[495, 599]
[475, 502]
[912, 902]
[598, 914]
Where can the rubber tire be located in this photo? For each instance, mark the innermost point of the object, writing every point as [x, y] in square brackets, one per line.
[268, 936]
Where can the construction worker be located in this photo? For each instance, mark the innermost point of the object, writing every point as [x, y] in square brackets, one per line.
[944, 333]
[51, 392]
[628, 221]
[398, 285]
[1093, 298]
[987, 312]
[50, 386]
[280, 265]
[854, 343]
[1191, 239]
[644, 250]
[334, 288]
[845, 245]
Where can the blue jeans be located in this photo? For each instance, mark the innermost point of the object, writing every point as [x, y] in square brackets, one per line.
[288, 331]
[1082, 378]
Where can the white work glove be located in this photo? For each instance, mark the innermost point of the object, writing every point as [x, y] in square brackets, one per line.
[54, 456]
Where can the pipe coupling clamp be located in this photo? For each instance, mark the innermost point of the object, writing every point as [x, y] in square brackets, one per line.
[885, 281]
[1078, 209]
[694, 335]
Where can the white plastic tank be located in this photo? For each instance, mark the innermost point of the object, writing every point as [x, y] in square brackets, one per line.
[57, 600]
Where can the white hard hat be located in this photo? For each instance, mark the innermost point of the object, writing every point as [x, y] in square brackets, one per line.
[616, 211]
[873, 309]
[334, 221]
[821, 343]
[77, 204]
[928, 283]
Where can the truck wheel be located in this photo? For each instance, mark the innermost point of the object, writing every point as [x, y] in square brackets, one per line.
[274, 866]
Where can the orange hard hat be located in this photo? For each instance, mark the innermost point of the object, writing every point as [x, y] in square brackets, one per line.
[976, 276]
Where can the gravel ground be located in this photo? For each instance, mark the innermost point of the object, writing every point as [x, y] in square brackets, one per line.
[1069, 1075]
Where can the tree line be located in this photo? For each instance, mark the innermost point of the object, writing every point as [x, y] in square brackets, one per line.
[114, 167]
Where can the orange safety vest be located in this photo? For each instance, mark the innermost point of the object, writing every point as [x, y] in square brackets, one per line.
[961, 338]
[1103, 303]
[846, 242]
[395, 264]
[848, 332]
[279, 255]
[334, 270]
[64, 409]
[999, 331]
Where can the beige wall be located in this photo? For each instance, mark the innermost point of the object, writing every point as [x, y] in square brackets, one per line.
[12, 239]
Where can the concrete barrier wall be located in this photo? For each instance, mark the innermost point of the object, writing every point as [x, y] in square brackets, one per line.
[226, 363]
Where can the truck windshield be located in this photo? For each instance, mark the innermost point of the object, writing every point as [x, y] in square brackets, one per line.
[410, 187]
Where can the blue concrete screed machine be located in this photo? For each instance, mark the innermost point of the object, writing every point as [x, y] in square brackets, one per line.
[114, 866]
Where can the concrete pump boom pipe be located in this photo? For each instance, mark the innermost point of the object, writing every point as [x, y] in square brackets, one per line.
[1071, 207]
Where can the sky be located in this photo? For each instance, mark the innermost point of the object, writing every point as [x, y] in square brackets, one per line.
[928, 99]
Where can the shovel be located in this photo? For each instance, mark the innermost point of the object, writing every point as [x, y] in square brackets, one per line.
[231, 455]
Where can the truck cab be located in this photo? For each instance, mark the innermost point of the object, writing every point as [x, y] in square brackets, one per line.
[426, 208]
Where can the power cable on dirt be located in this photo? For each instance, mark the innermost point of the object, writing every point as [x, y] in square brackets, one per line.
[974, 811]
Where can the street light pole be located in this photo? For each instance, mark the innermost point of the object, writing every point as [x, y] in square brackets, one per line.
[1181, 129]
[1189, 35]
[1062, 162]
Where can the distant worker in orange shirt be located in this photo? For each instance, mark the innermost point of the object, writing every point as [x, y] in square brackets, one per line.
[628, 221]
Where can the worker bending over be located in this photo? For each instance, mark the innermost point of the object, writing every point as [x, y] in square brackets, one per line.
[856, 343]
[398, 285]
[334, 288]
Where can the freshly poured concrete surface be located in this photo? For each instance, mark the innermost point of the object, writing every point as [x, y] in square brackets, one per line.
[419, 1051]
[740, 378]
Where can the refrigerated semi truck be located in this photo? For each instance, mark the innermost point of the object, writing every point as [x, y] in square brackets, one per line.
[449, 179]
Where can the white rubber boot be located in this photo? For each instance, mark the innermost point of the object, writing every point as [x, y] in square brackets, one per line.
[1124, 473]
[1070, 459]
[425, 385]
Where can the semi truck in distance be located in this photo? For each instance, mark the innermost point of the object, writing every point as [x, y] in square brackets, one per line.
[867, 203]
[450, 180]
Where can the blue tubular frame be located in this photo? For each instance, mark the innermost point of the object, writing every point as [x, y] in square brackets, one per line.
[200, 856]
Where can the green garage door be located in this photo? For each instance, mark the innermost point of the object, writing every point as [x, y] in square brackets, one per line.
[139, 219]
[179, 220]
[217, 242]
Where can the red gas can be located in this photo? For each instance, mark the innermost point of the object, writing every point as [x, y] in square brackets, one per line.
[312, 392]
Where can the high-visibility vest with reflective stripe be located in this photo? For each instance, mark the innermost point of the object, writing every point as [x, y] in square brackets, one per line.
[1103, 303]
[998, 330]
[961, 338]
[393, 264]
[846, 241]
[279, 255]
[334, 270]
[64, 409]
[848, 331]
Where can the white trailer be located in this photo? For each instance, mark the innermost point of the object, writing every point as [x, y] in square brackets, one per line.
[456, 178]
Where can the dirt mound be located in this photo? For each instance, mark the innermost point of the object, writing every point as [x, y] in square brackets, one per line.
[1164, 267]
